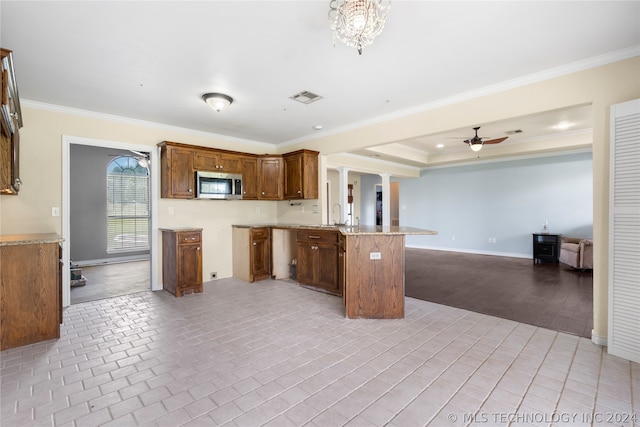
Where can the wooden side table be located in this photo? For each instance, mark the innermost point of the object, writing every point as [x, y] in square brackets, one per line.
[546, 247]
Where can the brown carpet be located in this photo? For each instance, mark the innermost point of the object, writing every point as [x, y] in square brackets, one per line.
[548, 295]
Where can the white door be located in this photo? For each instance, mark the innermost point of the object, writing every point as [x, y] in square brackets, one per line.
[624, 232]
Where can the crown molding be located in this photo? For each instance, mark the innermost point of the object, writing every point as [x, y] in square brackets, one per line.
[143, 123]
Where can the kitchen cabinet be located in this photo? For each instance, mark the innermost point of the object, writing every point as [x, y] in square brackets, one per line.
[217, 161]
[374, 276]
[182, 260]
[11, 122]
[30, 289]
[249, 178]
[320, 260]
[251, 253]
[270, 177]
[177, 171]
[301, 175]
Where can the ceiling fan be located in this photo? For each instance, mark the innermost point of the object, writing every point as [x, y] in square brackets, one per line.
[477, 142]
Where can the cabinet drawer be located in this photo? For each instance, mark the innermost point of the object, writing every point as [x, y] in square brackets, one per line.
[318, 236]
[189, 237]
[259, 233]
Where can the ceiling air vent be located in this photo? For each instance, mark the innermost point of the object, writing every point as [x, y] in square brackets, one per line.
[511, 132]
[306, 97]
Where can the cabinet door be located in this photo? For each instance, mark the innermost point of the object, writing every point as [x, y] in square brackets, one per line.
[182, 176]
[293, 177]
[301, 175]
[189, 265]
[206, 161]
[327, 268]
[270, 178]
[260, 253]
[230, 163]
[307, 260]
[249, 178]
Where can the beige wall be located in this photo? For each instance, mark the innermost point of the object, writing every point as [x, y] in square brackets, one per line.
[41, 160]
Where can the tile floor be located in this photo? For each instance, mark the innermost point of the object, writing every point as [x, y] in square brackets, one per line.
[274, 354]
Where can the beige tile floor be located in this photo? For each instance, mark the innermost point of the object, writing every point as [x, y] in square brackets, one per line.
[274, 354]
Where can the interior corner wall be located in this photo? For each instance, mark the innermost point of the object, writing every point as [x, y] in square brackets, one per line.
[506, 201]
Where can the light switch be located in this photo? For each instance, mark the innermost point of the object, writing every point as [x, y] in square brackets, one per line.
[55, 211]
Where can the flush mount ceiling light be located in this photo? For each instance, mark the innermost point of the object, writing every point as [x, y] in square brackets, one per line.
[357, 22]
[217, 101]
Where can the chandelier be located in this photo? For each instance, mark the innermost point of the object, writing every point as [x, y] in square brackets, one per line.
[357, 22]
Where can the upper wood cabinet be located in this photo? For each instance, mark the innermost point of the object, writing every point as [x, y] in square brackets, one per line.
[217, 161]
[249, 178]
[177, 172]
[270, 177]
[267, 177]
[301, 175]
[11, 123]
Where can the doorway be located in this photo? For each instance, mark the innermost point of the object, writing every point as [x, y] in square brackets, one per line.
[394, 204]
[119, 278]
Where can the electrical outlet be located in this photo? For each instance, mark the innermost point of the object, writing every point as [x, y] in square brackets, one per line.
[375, 255]
[55, 211]
[213, 275]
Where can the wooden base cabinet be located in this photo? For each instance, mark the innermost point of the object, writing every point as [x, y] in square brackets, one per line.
[182, 261]
[320, 260]
[30, 290]
[251, 253]
[374, 276]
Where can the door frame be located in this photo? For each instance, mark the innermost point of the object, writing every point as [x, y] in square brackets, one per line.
[154, 158]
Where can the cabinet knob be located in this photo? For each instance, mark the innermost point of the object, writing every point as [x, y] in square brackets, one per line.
[299, 192]
[263, 193]
[190, 190]
[254, 243]
[198, 248]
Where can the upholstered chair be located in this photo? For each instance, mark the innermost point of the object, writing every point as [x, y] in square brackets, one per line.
[577, 252]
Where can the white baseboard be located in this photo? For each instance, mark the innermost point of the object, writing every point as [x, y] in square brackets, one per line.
[472, 251]
[114, 260]
[598, 340]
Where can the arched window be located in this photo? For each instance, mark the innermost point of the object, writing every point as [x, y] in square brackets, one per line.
[128, 208]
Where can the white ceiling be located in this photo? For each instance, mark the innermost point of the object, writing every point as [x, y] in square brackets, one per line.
[153, 60]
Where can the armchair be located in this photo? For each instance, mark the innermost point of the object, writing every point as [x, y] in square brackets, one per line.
[577, 252]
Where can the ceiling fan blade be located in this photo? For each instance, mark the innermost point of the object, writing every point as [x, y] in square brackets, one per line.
[495, 141]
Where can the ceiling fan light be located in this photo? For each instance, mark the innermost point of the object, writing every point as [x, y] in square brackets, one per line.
[476, 147]
[217, 101]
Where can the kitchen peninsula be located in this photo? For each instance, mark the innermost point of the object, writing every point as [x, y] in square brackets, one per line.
[363, 264]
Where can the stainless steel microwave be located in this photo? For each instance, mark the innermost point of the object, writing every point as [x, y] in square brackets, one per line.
[216, 185]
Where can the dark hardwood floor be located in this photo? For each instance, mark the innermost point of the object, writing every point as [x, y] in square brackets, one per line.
[548, 295]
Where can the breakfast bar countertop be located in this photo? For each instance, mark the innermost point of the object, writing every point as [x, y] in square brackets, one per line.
[347, 229]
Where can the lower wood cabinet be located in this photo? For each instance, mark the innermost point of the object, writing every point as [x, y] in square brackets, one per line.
[374, 276]
[30, 290]
[182, 261]
[251, 253]
[320, 260]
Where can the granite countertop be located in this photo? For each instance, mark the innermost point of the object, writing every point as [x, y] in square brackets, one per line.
[29, 239]
[346, 229]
